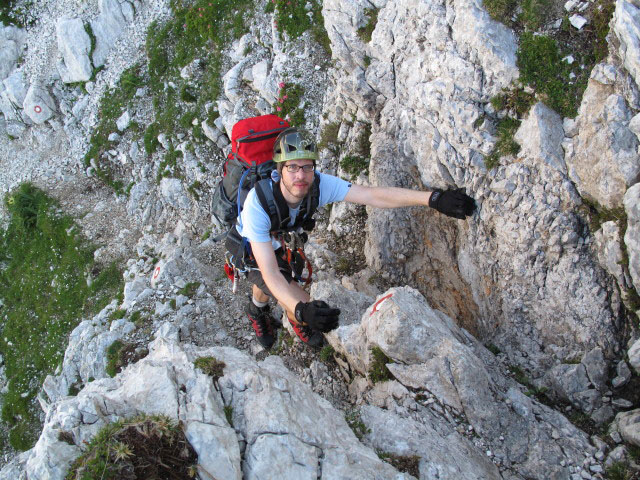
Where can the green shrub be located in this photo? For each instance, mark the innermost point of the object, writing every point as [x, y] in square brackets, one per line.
[329, 137]
[326, 353]
[356, 424]
[210, 366]
[289, 100]
[534, 13]
[354, 165]
[378, 371]
[365, 32]
[291, 17]
[141, 447]
[45, 295]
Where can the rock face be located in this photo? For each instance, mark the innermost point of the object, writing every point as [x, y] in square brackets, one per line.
[632, 236]
[265, 399]
[626, 25]
[603, 160]
[75, 45]
[429, 355]
[11, 44]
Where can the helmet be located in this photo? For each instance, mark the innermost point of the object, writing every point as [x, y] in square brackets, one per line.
[293, 144]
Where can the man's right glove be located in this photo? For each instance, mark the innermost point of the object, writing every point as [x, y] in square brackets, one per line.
[454, 203]
[317, 315]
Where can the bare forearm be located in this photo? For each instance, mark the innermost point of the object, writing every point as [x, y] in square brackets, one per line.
[387, 197]
[285, 293]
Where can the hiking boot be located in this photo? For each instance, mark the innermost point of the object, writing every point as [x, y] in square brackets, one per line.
[261, 321]
[313, 338]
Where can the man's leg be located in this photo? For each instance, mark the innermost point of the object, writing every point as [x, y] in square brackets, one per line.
[260, 316]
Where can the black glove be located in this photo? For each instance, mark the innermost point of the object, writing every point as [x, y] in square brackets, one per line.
[454, 203]
[317, 315]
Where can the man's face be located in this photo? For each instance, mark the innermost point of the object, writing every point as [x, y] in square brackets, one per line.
[298, 183]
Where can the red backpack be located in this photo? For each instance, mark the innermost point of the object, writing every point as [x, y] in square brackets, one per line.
[250, 160]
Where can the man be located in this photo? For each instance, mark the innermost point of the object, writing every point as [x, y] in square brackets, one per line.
[295, 155]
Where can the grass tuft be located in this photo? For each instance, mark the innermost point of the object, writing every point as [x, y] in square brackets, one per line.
[45, 295]
[366, 32]
[378, 371]
[210, 366]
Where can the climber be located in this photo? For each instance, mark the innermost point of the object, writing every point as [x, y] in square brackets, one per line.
[271, 230]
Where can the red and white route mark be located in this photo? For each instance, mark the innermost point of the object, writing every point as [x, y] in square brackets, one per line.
[156, 273]
[37, 109]
[376, 306]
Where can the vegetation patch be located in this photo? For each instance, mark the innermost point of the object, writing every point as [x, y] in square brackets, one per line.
[506, 145]
[120, 354]
[210, 366]
[288, 105]
[44, 291]
[142, 447]
[228, 413]
[112, 105]
[326, 353]
[366, 32]
[190, 289]
[169, 165]
[329, 138]
[378, 371]
[356, 424]
[293, 18]
[403, 463]
[354, 165]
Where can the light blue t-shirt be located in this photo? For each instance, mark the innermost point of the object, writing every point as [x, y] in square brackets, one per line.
[254, 222]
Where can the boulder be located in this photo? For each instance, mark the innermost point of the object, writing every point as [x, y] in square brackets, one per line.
[74, 44]
[108, 26]
[540, 135]
[626, 26]
[632, 236]
[174, 194]
[16, 88]
[11, 43]
[628, 424]
[38, 104]
[429, 354]
[603, 160]
[634, 356]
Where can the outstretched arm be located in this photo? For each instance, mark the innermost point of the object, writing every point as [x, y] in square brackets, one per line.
[454, 203]
[386, 197]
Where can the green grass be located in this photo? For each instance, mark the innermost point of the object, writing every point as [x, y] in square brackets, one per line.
[169, 165]
[329, 138]
[210, 366]
[228, 413]
[505, 145]
[112, 105]
[43, 261]
[326, 353]
[114, 363]
[403, 463]
[501, 10]
[378, 371]
[189, 290]
[291, 17]
[142, 447]
[289, 100]
[365, 32]
[534, 13]
[514, 100]
[354, 165]
[356, 424]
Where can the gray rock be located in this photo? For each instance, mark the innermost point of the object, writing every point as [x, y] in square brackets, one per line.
[12, 40]
[173, 192]
[567, 380]
[617, 455]
[625, 26]
[123, 121]
[107, 28]
[628, 424]
[597, 368]
[16, 88]
[632, 236]
[540, 135]
[634, 356]
[212, 133]
[623, 375]
[608, 243]
[603, 160]
[621, 403]
[74, 44]
[38, 105]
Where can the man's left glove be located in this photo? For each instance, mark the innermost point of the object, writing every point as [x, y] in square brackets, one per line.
[318, 315]
[454, 203]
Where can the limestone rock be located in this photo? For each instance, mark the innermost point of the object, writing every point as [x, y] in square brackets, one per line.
[11, 43]
[108, 26]
[626, 25]
[634, 356]
[16, 88]
[628, 424]
[604, 161]
[632, 236]
[75, 46]
[173, 192]
[38, 104]
[540, 135]
[608, 243]
[430, 354]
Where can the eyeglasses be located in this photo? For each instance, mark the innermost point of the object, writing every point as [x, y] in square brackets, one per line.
[293, 168]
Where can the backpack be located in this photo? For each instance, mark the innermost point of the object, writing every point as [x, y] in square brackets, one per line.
[250, 160]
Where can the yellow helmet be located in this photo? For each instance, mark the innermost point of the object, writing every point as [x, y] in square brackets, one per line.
[293, 144]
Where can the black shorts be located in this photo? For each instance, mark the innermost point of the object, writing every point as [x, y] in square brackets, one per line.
[255, 276]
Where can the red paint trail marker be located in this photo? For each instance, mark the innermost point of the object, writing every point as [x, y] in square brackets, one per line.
[37, 109]
[376, 307]
[156, 273]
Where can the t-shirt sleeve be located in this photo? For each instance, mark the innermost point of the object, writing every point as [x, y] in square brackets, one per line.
[254, 221]
[332, 189]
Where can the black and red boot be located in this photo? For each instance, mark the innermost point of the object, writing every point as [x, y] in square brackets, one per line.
[311, 337]
[262, 323]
